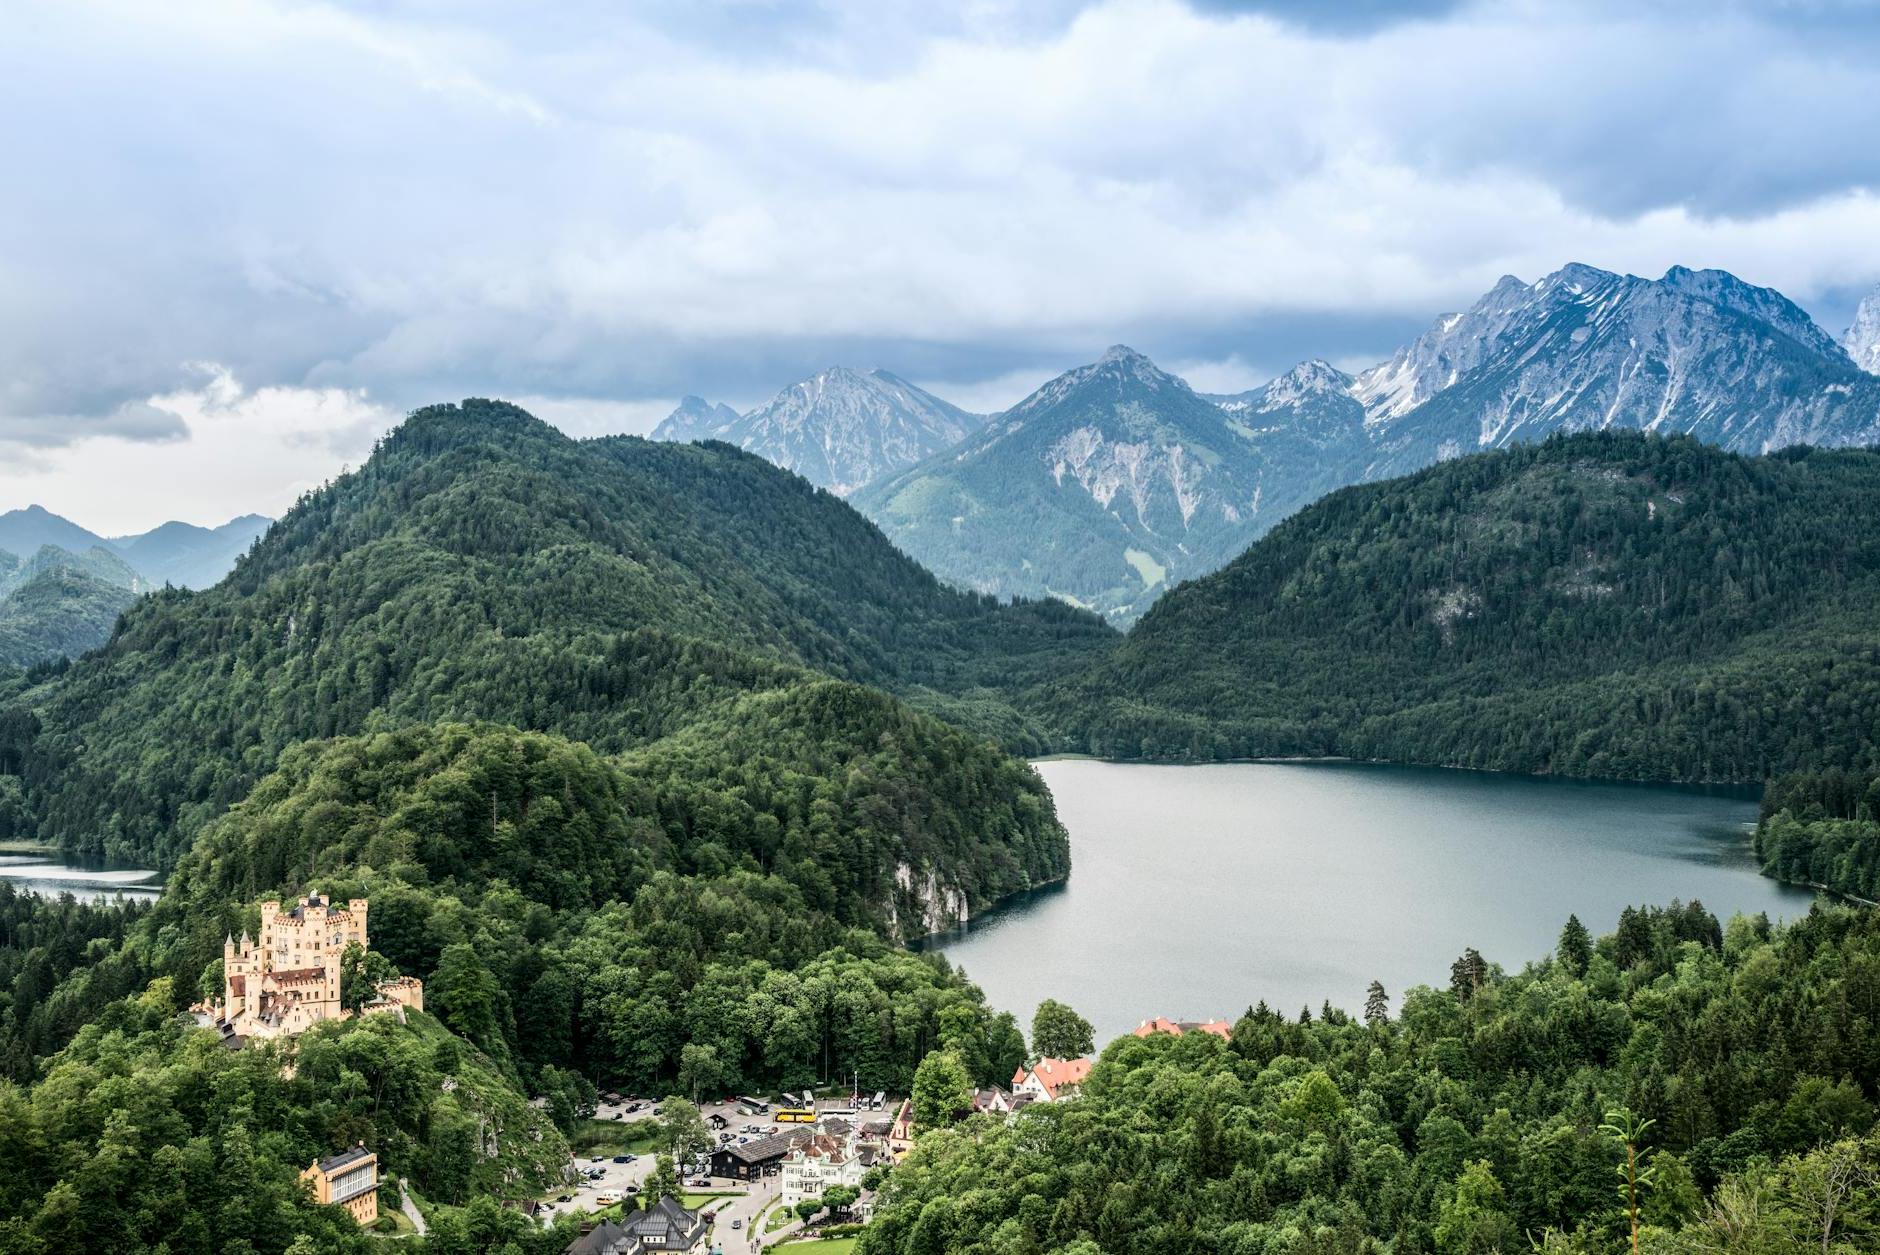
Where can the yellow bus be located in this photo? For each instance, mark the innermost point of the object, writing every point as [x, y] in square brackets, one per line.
[795, 1115]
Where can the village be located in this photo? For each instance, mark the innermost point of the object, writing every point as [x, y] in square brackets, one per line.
[801, 1169]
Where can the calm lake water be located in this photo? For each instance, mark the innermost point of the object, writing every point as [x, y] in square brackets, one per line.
[43, 873]
[1199, 890]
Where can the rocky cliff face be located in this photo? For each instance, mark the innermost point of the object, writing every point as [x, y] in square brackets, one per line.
[1862, 341]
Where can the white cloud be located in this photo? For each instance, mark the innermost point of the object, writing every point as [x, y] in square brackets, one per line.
[612, 205]
[237, 452]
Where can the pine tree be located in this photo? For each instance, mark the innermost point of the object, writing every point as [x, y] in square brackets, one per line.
[1468, 974]
[1376, 1005]
[1575, 950]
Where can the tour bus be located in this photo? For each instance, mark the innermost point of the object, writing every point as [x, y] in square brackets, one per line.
[881, 1096]
[752, 1106]
[796, 1115]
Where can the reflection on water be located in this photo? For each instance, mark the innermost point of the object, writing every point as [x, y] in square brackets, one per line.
[45, 874]
[1196, 891]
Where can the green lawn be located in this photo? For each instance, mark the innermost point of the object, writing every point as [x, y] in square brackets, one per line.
[404, 1226]
[821, 1246]
[777, 1217]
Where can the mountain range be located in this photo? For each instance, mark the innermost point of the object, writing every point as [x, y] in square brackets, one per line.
[175, 553]
[1115, 481]
[840, 429]
[1100, 488]
[56, 603]
[63, 586]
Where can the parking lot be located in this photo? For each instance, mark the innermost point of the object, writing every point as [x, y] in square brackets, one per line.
[622, 1178]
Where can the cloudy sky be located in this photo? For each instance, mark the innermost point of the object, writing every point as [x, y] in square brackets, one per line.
[237, 240]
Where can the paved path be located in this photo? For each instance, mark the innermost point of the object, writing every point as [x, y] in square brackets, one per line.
[410, 1208]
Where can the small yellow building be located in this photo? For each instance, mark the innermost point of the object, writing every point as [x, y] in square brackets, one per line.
[351, 1179]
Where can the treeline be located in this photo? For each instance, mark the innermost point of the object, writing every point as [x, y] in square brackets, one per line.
[1741, 1062]
[1608, 604]
[1823, 828]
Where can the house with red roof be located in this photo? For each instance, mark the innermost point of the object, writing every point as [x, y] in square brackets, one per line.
[1050, 1080]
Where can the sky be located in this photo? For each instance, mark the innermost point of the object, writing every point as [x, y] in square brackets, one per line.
[240, 240]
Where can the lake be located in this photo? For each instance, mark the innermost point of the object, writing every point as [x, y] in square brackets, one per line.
[1197, 891]
[43, 873]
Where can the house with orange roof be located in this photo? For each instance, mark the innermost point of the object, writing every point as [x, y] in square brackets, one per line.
[1051, 1080]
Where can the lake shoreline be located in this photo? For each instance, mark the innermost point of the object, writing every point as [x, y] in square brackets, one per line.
[1732, 787]
[1299, 880]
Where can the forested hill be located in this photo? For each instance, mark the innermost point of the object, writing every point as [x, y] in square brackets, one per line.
[1606, 604]
[483, 566]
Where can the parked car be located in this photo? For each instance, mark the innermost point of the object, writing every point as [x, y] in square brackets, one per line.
[622, 1159]
[630, 1188]
[737, 1224]
[619, 1116]
[565, 1198]
[700, 1181]
[598, 1159]
[607, 1198]
[629, 1158]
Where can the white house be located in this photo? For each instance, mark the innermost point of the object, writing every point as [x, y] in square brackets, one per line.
[817, 1164]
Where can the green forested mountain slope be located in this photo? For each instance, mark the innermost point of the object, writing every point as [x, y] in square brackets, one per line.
[673, 919]
[60, 612]
[58, 603]
[483, 566]
[1611, 604]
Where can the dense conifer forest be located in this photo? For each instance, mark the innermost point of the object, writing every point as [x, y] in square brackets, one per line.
[1610, 604]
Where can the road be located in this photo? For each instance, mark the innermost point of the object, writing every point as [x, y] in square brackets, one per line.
[411, 1209]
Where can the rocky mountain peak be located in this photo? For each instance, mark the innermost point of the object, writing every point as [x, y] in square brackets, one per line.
[1862, 341]
[695, 418]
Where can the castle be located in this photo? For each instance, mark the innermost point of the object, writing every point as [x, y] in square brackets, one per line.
[287, 980]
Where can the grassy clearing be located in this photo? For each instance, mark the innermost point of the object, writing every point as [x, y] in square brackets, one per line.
[822, 1246]
[1151, 571]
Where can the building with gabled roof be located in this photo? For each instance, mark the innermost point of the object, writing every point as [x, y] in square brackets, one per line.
[1051, 1080]
[664, 1226]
